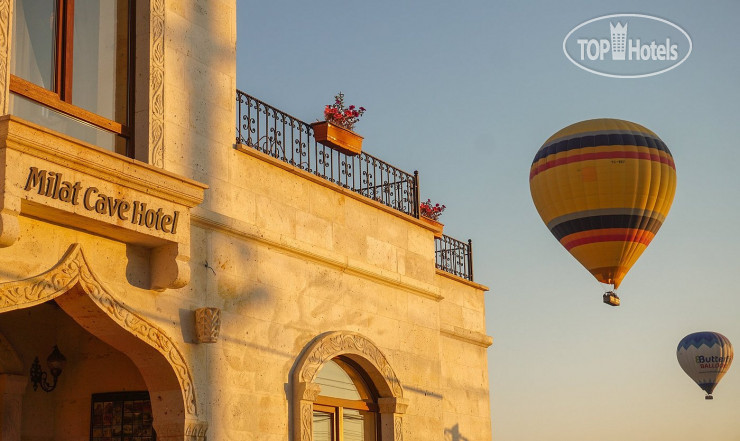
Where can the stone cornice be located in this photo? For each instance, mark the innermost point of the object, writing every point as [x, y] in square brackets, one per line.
[466, 335]
[470, 283]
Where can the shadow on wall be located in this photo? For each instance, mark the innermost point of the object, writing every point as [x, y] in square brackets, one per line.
[453, 434]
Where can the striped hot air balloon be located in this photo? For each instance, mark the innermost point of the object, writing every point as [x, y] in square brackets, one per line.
[705, 357]
[604, 187]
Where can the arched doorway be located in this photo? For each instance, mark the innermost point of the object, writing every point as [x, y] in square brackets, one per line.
[138, 355]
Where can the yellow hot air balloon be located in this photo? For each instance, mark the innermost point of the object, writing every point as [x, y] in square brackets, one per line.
[604, 187]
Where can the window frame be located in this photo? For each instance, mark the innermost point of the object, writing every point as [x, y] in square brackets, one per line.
[336, 406]
[60, 99]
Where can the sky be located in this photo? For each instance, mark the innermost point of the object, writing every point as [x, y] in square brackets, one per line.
[466, 92]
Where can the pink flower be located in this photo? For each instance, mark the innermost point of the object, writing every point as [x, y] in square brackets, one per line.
[346, 117]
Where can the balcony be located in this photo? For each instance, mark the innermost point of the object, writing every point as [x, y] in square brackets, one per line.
[288, 139]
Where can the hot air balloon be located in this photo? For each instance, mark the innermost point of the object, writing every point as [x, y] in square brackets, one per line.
[705, 357]
[604, 187]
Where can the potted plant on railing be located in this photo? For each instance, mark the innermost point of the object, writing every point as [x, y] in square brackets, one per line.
[430, 214]
[336, 129]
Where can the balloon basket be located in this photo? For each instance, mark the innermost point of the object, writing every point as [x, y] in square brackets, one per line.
[611, 298]
[708, 397]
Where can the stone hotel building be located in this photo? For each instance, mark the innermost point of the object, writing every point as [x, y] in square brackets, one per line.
[182, 261]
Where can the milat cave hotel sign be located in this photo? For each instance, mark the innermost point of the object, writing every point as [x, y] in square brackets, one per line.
[52, 185]
[72, 184]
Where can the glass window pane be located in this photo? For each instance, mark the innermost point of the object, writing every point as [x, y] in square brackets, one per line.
[34, 36]
[121, 416]
[323, 426]
[336, 383]
[46, 117]
[100, 58]
[358, 425]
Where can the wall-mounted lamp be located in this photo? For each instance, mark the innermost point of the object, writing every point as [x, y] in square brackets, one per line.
[56, 362]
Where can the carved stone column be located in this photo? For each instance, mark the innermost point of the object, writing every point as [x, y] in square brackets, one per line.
[391, 419]
[12, 388]
[305, 394]
[6, 12]
[149, 111]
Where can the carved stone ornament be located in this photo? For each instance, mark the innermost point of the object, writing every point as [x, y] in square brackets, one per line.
[398, 428]
[5, 27]
[156, 82]
[195, 430]
[73, 271]
[207, 324]
[370, 358]
[341, 343]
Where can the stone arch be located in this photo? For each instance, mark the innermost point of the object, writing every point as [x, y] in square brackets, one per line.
[76, 289]
[370, 358]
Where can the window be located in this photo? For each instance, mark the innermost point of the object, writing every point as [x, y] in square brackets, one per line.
[346, 410]
[71, 68]
[121, 416]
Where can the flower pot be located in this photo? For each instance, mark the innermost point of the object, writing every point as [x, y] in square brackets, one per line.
[437, 226]
[336, 137]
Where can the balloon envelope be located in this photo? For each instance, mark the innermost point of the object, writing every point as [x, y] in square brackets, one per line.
[603, 187]
[705, 357]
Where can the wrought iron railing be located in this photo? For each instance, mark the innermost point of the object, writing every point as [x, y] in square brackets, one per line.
[291, 140]
[454, 256]
[287, 138]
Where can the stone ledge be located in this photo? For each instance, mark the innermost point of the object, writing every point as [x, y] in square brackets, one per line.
[466, 335]
[470, 283]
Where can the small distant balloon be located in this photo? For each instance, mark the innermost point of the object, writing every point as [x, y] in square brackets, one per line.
[604, 187]
[705, 357]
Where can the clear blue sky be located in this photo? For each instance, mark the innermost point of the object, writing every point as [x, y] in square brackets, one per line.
[466, 92]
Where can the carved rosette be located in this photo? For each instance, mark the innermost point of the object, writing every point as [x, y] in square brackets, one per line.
[73, 269]
[207, 324]
[333, 344]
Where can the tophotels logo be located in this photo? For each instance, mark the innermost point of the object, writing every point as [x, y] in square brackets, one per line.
[631, 46]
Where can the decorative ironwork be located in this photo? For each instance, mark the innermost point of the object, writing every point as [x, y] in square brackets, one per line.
[291, 140]
[454, 256]
[287, 138]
